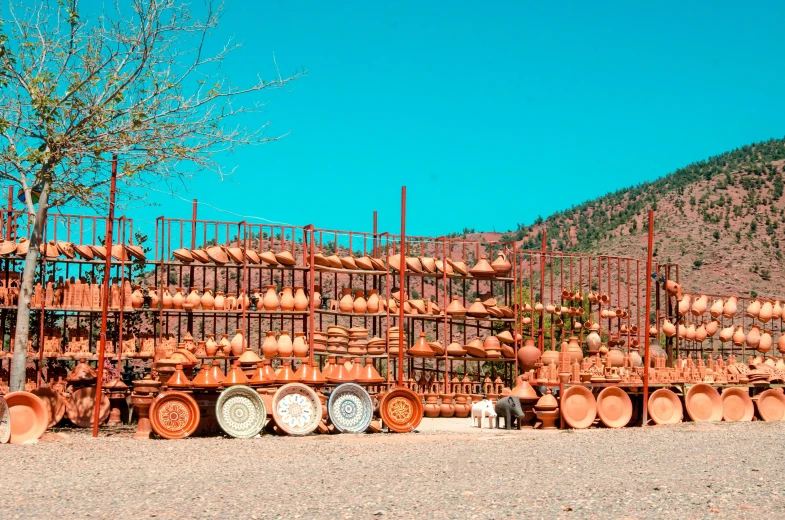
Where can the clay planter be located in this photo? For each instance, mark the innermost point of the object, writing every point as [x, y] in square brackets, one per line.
[401, 410]
[80, 407]
[703, 403]
[737, 405]
[446, 409]
[579, 408]
[771, 405]
[665, 407]
[27, 416]
[614, 407]
[174, 415]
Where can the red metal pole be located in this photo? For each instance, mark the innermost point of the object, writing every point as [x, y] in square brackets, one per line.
[375, 231]
[646, 352]
[105, 298]
[43, 312]
[403, 285]
[8, 235]
[541, 338]
[311, 308]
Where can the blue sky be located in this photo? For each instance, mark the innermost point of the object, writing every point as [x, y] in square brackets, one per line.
[490, 113]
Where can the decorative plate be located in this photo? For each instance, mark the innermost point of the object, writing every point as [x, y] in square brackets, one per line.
[578, 407]
[240, 411]
[665, 407]
[614, 407]
[737, 405]
[5, 422]
[27, 416]
[296, 409]
[771, 405]
[401, 410]
[703, 403]
[54, 403]
[174, 415]
[350, 408]
[80, 407]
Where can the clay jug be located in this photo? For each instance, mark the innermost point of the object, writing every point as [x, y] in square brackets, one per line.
[153, 295]
[753, 309]
[726, 334]
[270, 300]
[211, 347]
[300, 299]
[243, 301]
[317, 296]
[360, 305]
[684, 304]
[765, 342]
[219, 301]
[700, 305]
[528, 354]
[716, 308]
[167, 302]
[137, 298]
[230, 302]
[753, 337]
[207, 300]
[575, 350]
[346, 304]
[501, 265]
[690, 332]
[193, 298]
[781, 344]
[178, 299]
[673, 288]
[730, 307]
[286, 301]
[299, 345]
[270, 345]
[738, 336]
[225, 345]
[285, 347]
[681, 330]
[372, 305]
[238, 343]
[668, 328]
[766, 312]
[712, 327]
[776, 310]
[593, 341]
[700, 333]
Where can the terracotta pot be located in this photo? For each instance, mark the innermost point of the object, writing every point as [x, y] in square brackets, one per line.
[501, 265]
[421, 347]
[211, 347]
[716, 308]
[528, 355]
[690, 332]
[219, 301]
[668, 328]
[616, 357]
[455, 308]
[684, 304]
[207, 300]
[193, 298]
[225, 345]
[166, 299]
[776, 311]
[446, 409]
[753, 309]
[700, 305]
[781, 344]
[270, 300]
[178, 299]
[359, 306]
[712, 327]
[673, 288]
[285, 346]
[730, 307]
[300, 299]
[738, 336]
[753, 337]
[346, 304]
[137, 298]
[766, 312]
[700, 333]
[238, 343]
[230, 302]
[726, 334]
[765, 342]
[432, 408]
[286, 301]
[593, 340]
[270, 345]
[575, 350]
[477, 309]
[300, 345]
[372, 304]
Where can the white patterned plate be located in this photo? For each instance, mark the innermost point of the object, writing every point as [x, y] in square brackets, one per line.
[296, 409]
[240, 411]
[5, 422]
[350, 408]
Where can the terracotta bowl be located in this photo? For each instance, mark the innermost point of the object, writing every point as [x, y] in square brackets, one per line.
[737, 405]
[28, 417]
[579, 408]
[401, 410]
[614, 407]
[54, 403]
[771, 405]
[703, 403]
[665, 407]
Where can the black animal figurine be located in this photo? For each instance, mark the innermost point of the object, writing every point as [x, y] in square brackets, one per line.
[509, 408]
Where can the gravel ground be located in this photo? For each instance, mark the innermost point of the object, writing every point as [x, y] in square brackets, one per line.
[446, 470]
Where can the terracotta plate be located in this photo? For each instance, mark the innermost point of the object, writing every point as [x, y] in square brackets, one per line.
[737, 405]
[240, 411]
[579, 408]
[174, 415]
[5, 422]
[27, 416]
[401, 410]
[54, 402]
[665, 407]
[350, 408]
[614, 407]
[296, 409]
[80, 407]
[703, 403]
[771, 405]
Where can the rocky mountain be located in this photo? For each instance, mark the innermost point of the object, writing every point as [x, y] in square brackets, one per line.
[722, 220]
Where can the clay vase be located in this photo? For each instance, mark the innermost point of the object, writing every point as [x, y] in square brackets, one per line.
[753, 309]
[270, 300]
[207, 300]
[211, 347]
[446, 409]
[230, 302]
[726, 334]
[753, 337]
[432, 405]
[528, 354]
[716, 308]
[300, 299]
[137, 298]
[781, 344]
[285, 346]
[700, 305]
[286, 299]
[766, 311]
[738, 336]
[225, 345]
[501, 265]
[238, 343]
[299, 345]
[153, 295]
[575, 350]
[712, 327]
[219, 301]
[360, 305]
[593, 340]
[372, 305]
[166, 299]
[730, 307]
[193, 298]
[270, 345]
[765, 342]
[346, 304]
[178, 299]
[668, 328]
[684, 304]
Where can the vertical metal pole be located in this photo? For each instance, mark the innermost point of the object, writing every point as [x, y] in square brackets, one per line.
[311, 308]
[119, 345]
[541, 336]
[375, 230]
[105, 298]
[403, 285]
[646, 352]
[43, 312]
[8, 235]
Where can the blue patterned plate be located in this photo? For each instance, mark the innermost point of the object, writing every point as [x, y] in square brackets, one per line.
[350, 408]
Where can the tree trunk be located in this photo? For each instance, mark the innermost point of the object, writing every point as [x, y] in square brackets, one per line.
[19, 364]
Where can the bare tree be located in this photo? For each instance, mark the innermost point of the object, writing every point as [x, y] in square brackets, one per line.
[138, 81]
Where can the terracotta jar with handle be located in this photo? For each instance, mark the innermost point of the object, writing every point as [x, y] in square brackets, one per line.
[285, 346]
[300, 299]
[270, 345]
[286, 301]
[270, 300]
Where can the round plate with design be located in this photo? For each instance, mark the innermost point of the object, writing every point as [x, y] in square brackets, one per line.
[5, 422]
[240, 411]
[401, 410]
[296, 409]
[350, 408]
[174, 415]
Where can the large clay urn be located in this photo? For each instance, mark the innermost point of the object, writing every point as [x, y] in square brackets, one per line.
[193, 298]
[270, 300]
[300, 299]
[285, 346]
[730, 307]
[207, 300]
[238, 343]
[286, 301]
[753, 337]
[300, 345]
[575, 350]
[372, 304]
[528, 354]
[270, 345]
[593, 340]
[178, 299]
[550, 357]
[766, 311]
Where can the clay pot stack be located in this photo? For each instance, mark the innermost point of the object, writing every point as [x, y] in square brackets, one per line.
[338, 339]
[393, 335]
[358, 341]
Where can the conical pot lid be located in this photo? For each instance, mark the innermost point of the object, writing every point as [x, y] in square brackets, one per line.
[369, 374]
[524, 391]
[311, 375]
[236, 376]
[286, 374]
[339, 374]
[178, 379]
[482, 268]
[249, 357]
[258, 378]
[421, 347]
